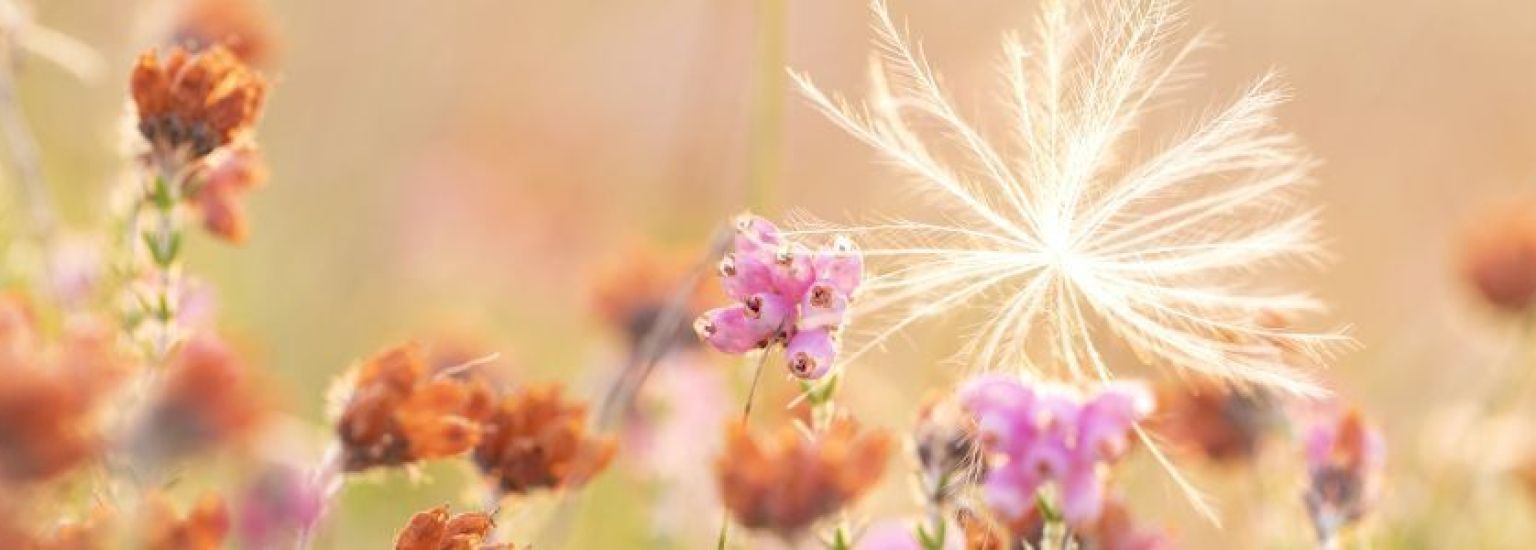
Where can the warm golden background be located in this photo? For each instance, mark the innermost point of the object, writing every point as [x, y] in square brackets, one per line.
[467, 165]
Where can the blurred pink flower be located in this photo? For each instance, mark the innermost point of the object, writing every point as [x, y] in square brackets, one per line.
[1345, 457]
[279, 503]
[685, 397]
[1039, 434]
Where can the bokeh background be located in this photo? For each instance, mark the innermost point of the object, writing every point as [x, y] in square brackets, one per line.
[467, 167]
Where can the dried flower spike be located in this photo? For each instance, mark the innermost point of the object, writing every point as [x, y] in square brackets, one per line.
[398, 413]
[1498, 257]
[435, 530]
[1070, 228]
[535, 439]
[1344, 457]
[785, 482]
[787, 294]
[192, 103]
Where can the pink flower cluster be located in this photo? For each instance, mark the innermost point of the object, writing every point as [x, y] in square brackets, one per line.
[786, 293]
[1036, 434]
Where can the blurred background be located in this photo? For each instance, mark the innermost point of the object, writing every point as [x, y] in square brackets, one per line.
[471, 167]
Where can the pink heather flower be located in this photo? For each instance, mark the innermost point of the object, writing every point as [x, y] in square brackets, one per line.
[1037, 434]
[279, 503]
[684, 397]
[786, 294]
[1344, 457]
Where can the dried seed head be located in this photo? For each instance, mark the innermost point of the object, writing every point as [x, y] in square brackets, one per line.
[398, 413]
[786, 482]
[193, 103]
[1213, 420]
[435, 530]
[1498, 257]
[536, 439]
[633, 293]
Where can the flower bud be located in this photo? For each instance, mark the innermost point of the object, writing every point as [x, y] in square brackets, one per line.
[811, 353]
[729, 330]
[840, 266]
[823, 307]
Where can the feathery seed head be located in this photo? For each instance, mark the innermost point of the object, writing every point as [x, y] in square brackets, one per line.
[1062, 229]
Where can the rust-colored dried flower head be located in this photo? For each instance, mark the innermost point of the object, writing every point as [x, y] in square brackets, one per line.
[48, 392]
[192, 103]
[435, 530]
[239, 25]
[209, 398]
[1498, 257]
[787, 481]
[204, 527]
[45, 427]
[1212, 419]
[536, 439]
[400, 413]
[631, 294]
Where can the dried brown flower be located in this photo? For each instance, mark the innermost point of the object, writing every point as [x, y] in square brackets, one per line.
[1498, 257]
[631, 294]
[204, 527]
[209, 398]
[48, 392]
[435, 530]
[536, 439]
[786, 482]
[239, 25]
[398, 413]
[192, 103]
[1214, 420]
[45, 427]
